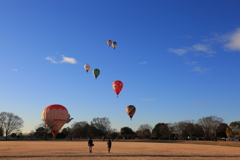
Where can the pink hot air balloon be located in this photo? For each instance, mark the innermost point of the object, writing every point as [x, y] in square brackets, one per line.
[55, 116]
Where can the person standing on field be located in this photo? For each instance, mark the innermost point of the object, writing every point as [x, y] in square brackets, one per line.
[109, 144]
[90, 144]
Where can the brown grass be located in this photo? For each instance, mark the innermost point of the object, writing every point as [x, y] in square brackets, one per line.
[74, 150]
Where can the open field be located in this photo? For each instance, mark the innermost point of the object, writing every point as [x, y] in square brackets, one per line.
[74, 150]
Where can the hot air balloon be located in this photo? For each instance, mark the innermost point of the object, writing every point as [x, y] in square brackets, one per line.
[87, 67]
[55, 116]
[130, 110]
[114, 45]
[117, 87]
[96, 73]
[109, 42]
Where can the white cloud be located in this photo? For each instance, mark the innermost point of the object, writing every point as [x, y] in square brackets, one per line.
[202, 47]
[179, 52]
[64, 60]
[14, 69]
[68, 60]
[234, 41]
[144, 62]
[148, 99]
[188, 62]
[193, 49]
[200, 69]
[51, 59]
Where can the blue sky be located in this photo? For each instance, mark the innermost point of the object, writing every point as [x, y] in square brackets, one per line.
[178, 60]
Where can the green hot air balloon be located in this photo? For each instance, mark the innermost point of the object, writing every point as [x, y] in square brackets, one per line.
[96, 73]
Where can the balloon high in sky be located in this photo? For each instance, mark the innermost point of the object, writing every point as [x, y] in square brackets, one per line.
[96, 72]
[87, 67]
[117, 86]
[114, 45]
[131, 109]
[109, 42]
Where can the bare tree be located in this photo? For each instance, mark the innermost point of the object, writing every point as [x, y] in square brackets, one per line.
[144, 131]
[2, 121]
[210, 125]
[103, 125]
[179, 128]
[10, 122]
[190, 130]
[80, 129]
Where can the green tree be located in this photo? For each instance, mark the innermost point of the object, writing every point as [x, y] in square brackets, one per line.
[40, 132]
[13, 135]
[233, 129]
[66, 131]
[156, 131]
[126, 132]
[164, 131]
[198, 131]
[1, 131]
[221, 130]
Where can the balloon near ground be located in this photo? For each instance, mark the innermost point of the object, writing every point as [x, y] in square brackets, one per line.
[117, 86]
[55, 116]
[87, 67]
[131, 109]
[96, 73]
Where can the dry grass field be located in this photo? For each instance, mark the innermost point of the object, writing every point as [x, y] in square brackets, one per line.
[74, 150]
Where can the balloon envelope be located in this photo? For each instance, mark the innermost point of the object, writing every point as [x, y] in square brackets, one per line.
[109, 42]
[87, 67]
[55, 116]
[117, 86]
[131, 110]
[114, 45]
[96, 72]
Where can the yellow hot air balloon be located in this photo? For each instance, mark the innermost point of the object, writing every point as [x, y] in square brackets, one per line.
[55, 116]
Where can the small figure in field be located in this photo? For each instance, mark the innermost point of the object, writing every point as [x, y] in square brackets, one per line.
[90, 144]
[109, 144]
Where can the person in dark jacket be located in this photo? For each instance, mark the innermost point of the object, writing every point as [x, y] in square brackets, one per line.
[109, 144]
[90, 144]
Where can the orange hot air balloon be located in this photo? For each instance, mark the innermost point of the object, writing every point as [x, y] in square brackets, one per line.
[117, 87]
[131, 110]
[87, 67]
[55, 116]
[109, 42]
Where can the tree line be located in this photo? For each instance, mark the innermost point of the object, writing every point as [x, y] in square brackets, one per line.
[206, 128]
